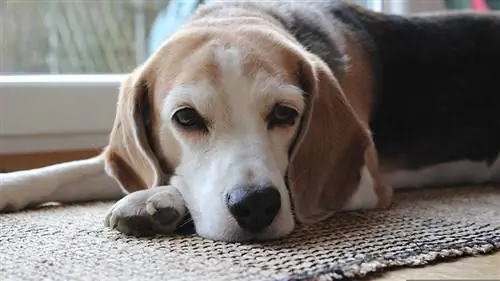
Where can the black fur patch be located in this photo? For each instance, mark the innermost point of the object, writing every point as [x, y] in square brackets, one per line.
[439, 95]
[437, 81]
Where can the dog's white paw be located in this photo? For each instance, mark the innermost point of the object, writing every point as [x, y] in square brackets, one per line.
[148, 212]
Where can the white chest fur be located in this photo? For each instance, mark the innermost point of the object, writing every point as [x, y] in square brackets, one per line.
[451, 173]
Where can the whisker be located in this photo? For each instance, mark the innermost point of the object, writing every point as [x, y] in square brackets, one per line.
[184, 223]
[299, 175]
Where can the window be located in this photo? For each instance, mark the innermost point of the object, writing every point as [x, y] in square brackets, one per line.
[61, 66]
[61, 62]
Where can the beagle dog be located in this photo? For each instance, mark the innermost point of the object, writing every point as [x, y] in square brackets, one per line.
[255, 116]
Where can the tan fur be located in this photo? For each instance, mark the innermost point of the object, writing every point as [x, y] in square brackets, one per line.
[358, 85]
[325, 170]
[130, 159]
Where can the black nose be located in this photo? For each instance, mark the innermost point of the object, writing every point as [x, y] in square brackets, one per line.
[254, 208]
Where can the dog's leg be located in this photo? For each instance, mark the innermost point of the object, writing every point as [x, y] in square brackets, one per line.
[148, 212]
[76, 181]
[142, 213]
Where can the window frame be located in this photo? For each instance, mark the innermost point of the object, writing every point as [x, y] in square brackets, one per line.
[52, 112]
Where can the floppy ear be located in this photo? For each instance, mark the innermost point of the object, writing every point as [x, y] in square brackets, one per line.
[333, 162]
[130, 157]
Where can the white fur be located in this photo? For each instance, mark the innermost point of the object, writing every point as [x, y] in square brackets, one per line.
[82, 180]
[145, 204]
[239, 149]
[452, 173]
[364, 197]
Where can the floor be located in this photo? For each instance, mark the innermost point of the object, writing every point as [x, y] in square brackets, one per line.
[15, 162]
[482, 267]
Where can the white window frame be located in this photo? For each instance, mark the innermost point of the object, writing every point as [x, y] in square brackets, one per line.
[42, 113]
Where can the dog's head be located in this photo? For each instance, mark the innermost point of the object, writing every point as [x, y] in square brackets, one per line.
[247, 125]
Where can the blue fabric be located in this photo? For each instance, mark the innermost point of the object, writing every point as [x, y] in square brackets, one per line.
[168, 21]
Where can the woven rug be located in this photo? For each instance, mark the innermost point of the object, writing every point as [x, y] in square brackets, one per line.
[424, 226]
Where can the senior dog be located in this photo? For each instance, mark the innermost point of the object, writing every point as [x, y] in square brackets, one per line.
[255, 116]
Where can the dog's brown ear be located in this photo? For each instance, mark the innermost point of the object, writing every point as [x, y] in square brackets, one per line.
[130, 158]
[333, 154]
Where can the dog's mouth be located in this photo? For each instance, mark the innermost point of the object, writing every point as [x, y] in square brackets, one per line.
[187, 227]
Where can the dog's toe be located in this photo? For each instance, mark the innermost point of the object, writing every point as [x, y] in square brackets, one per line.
[139, 226]
[147, 212]
[165, 216]
[111, 219]
[167, 207]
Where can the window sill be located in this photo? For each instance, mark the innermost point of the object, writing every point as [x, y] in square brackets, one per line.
[56, 112]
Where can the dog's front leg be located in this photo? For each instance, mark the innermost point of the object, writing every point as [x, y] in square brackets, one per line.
[148, 212]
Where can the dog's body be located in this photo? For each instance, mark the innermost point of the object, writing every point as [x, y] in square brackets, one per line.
[365, 101]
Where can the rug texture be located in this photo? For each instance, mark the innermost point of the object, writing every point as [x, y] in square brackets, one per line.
[424, 226]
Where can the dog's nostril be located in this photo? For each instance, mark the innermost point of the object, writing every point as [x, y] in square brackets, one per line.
[254, 208]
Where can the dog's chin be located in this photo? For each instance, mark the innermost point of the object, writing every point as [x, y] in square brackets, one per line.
[232, 232]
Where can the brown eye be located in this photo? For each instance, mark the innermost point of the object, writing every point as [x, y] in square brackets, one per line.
[189, 119]
[281, 115]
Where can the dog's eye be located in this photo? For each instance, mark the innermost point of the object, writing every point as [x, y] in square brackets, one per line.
[189, 119]
[282, 115]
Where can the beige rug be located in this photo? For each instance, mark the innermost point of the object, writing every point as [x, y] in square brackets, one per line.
[70, 243]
